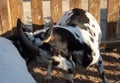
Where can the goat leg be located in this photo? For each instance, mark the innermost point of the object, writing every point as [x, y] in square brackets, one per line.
[100, 69]
[68, 78]
[48, 76]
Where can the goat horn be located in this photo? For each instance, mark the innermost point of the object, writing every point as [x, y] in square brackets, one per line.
[23, 37]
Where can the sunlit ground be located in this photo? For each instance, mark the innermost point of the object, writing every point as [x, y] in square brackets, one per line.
[90, 75]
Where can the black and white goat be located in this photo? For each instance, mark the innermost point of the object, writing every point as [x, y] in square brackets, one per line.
[13, 68]
[74, 40]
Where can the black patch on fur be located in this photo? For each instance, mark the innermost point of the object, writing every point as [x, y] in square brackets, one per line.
[72, 24]
[70, 71]
[100, 62]
[91, 33]
[94, 34]
[77, 35]
[68, 38]
[85, 28]
[40, 35]
[79, 16]
[93, 54]
[55, 63]
[74, 58]
[68, 57]
[47, 47]
[87, 52]
[91, 39]
[93, 26]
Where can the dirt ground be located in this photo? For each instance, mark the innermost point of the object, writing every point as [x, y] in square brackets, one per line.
[90, 75]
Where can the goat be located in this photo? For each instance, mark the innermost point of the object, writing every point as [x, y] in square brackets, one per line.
[73, 40]
[78, 35]
[13, 68]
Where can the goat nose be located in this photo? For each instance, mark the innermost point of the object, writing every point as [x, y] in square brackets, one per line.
[70, 71]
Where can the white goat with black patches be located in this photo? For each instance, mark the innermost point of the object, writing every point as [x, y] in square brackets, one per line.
[73, 40]
[86, 30]
[13, 68]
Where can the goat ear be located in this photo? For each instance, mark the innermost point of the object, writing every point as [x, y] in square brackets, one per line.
[48, 32]
[47, 35]
[25, 28]
[48, 22]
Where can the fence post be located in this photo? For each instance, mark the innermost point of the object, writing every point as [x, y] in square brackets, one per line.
[37, 13]
[56, 9]
[94, 8]
[5, 19]
[112, 19]
[75, 4]
[16, 11]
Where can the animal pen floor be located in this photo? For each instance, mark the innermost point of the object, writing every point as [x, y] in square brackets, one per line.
[90, 75]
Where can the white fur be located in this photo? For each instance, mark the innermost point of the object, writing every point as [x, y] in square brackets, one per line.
[63, 63]
[31, 37]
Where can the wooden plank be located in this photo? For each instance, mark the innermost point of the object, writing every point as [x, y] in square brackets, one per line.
[94, 8]
[56, 9]
[20, 10]
[112, 19]
[119, 7]
[5, 19]
[75, 4]
[37, 13]
[16, 11]
[110, 44]
[119, 2]
[1, 28]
